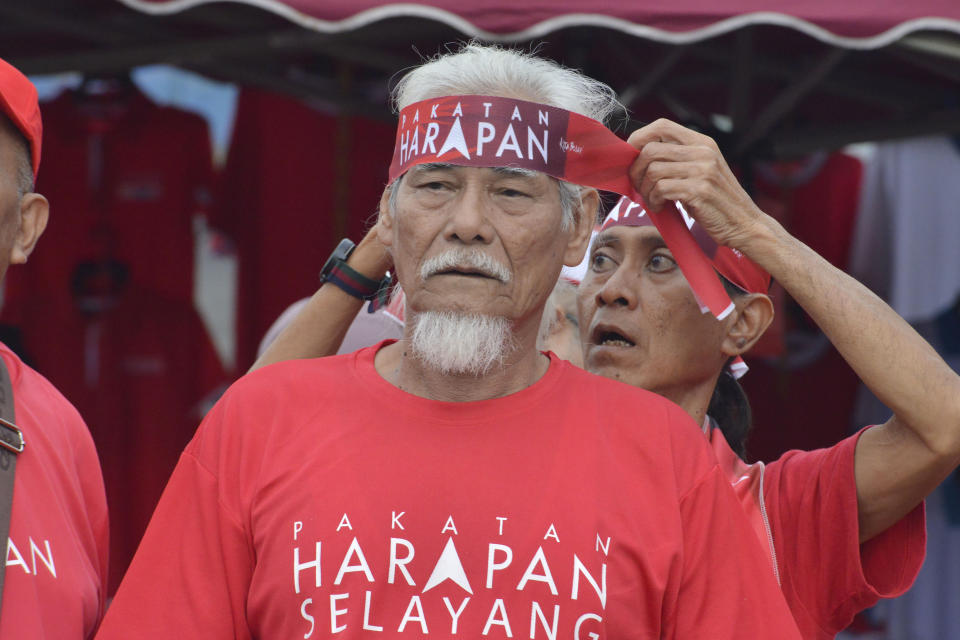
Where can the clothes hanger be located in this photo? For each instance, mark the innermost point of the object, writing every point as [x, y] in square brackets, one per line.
[98, 285]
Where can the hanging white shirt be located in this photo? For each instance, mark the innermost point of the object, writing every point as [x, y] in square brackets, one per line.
[906, 246]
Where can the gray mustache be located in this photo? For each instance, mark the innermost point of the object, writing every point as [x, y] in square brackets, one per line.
[465, 259]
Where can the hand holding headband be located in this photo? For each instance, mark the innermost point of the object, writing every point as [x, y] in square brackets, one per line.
[678, 164]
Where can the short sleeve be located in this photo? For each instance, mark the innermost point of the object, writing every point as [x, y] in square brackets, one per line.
[727, 589]
[827, 575]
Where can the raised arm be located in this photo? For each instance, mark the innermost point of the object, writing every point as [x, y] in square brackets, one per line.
[898, 463]
[319, 328]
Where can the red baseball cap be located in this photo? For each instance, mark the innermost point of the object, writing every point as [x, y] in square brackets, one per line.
[18, 101]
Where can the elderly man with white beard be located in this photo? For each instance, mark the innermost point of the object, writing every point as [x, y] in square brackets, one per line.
[456, 482]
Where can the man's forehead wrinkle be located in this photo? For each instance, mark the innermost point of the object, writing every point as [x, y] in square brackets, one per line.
[432, 166]
[516, 171]
[501, 172]
[443, 166]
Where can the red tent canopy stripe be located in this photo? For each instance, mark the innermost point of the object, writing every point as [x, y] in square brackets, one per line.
[841, 24]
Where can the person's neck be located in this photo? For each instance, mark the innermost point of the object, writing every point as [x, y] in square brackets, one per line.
[522, 366]
[694, 399]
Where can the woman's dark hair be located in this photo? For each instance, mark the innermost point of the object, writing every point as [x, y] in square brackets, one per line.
[729, 406]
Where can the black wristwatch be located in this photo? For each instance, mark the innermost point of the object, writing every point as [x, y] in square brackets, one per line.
[337, 272]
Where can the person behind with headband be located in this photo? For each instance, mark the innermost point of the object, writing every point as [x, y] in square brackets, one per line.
[457, 482]
[842, 526]
[55, 532]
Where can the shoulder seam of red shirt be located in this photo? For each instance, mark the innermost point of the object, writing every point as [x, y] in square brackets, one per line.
[234, 520]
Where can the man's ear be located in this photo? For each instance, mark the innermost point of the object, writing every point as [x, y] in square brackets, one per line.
[385, 221]
[34, 213]
[754, 313]
[582, 227]
[559, 318]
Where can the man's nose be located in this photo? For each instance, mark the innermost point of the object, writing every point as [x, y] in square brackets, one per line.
[618, 289]
[469, 222]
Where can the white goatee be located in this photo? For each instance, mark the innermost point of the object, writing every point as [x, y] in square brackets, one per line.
[459, 343]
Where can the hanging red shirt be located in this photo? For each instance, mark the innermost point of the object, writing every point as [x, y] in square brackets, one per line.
[124, 178]
[802, 394]
[297, 180]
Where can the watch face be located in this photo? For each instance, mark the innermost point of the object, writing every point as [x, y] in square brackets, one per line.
[340, 254]
[344, 249]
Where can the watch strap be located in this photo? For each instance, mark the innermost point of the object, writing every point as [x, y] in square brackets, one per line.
[382, 297]
[353, 282]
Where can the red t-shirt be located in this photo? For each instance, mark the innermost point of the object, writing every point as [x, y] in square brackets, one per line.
[827, 576]
[804, 507]
[317, 498]
[56, 576]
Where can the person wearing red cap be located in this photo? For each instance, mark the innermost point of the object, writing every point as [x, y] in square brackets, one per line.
[56, 561]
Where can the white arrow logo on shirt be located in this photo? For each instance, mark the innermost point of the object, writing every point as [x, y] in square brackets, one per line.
[449, 567]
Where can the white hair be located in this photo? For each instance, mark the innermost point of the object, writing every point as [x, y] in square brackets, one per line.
[463, 257]
[498, 71]
[461, 344]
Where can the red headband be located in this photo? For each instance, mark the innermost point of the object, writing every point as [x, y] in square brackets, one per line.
[730, 263]
[18, 100]
[487, 131]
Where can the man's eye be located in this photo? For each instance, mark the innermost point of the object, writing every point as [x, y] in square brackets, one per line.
[433, 186]
[512, 193]
[661, 263]
[600, 262]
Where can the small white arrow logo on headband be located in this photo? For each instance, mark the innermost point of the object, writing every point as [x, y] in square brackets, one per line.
[455, 140]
